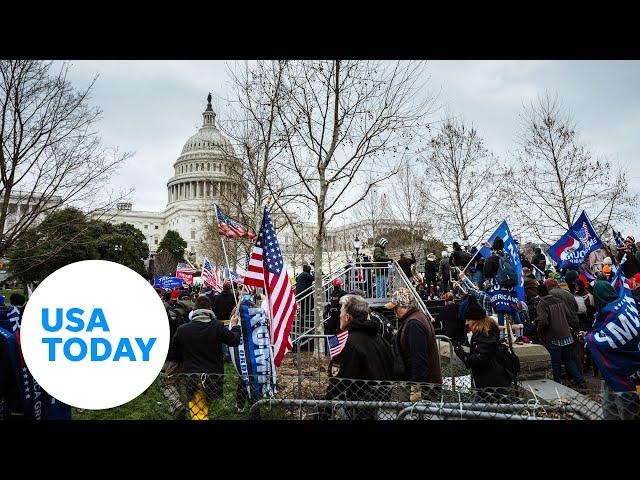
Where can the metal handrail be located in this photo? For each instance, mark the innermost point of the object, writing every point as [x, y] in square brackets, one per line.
[410, 286]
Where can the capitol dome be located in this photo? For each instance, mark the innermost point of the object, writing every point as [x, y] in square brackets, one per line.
[207, 168]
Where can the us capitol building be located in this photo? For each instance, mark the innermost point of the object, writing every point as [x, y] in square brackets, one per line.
[206, 172]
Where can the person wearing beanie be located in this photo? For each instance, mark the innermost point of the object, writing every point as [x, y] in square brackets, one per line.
[445, 271]
[492, 264]
[417, 342]
[332, 310]
[554, 327]
[224, 302]
[381, 264]
[487, 373]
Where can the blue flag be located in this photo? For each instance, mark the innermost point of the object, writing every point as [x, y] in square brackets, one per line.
[617, 238]
[167, 282]
[253, 359]
[614, 340]
[36, 404]
[511, 249]
[579, 241]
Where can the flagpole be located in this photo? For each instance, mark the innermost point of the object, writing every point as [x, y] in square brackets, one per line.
[474, 256]
[228, 268]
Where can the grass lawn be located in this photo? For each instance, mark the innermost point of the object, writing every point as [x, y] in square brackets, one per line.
[7, 294]
[151, 405]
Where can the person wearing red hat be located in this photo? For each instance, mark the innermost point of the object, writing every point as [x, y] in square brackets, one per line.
[332, 310]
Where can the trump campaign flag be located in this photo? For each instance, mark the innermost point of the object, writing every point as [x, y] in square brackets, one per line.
[33, 401]
[252, 359]
[230, 228]
[185, 272]
[511, 249]
[614, 340]
[266, 269]
[579, 241]
[167, 282]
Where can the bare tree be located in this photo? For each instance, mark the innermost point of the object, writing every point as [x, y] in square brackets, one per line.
[556, 176]
[50, 153]
[410, 201]
[164, 263]
[371, 212]
[464, 184]
[346, 124]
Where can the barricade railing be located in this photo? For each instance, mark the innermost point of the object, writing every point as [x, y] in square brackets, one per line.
[321, 397]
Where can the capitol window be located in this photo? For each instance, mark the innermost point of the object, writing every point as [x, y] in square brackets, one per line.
[193, 234]
[208, 166]
[196, 167]
[146, 227]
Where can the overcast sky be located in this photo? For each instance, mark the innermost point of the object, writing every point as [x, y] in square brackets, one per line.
[152, 107]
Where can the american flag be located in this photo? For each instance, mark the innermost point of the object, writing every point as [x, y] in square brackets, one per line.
[337, 343]
[618, 238]
[248, 288]
[185, 268]
[211, 276]
[266, 269]
[228, 227]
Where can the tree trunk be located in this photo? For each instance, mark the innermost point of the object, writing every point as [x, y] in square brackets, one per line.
[318, 260]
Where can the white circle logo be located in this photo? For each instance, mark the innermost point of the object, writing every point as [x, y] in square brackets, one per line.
[94, 334]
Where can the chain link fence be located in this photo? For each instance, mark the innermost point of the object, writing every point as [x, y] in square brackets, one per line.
[321, 397]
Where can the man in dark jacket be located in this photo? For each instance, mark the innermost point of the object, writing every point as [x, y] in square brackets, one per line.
[332, 310]
[554, 328]
[405, 264]
[365, 356]
[530, 285]
[304, 280]
[417, 341]
[492, 264]
[539, 261]
[431, 274]
[198, 349]
[224, 302]
[445, 271]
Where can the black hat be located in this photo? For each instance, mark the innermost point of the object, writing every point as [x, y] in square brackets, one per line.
[498, 244]
[474, 311]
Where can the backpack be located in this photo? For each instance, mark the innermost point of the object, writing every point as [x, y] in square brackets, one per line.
[506, 276]
[399, 368]
[582, 305]
[508, 359]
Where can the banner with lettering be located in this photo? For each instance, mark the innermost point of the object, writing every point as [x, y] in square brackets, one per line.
[511, 249]
[167, 282]
[186, 277]
[36, 404]
[578, 242]
[253, 359]
[614, 340]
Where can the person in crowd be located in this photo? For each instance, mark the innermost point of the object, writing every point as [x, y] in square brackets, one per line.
[365, 356]
[459, 258]
[452, 327]
[367, 267]
[13, 313]
[540, 262]
[504, 300]
[487, 372]
[556, 290]
[431, 275]
[524, 261]
[607, 268]
[198, 349]
[332, 310]
[477, 268]
[224, 302]
[554, 327]
[631, 265]
[530, 284]
[416, 341]
[484, 299]
[381, 261]
[405, 264]
[586, 312]
[445, 271]
[304, 280]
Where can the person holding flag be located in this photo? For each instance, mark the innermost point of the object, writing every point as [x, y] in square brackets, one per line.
[267, 270]
[614, 344]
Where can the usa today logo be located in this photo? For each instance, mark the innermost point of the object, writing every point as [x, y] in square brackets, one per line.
[94, 334]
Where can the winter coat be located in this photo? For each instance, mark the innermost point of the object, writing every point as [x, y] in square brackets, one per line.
[539, 260]
[366, 356]
[460, 258]
[405, 264]
[332, 310]
[198, 343]
[492, 264]
[223, 305]
[444, 269]
[418, 347]
[553, 319]
[631, 266]
[452, 326]
[482, 360]
[530, 288]
[569, 300]
[303, 281]
[379, 255]
[431, 270]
